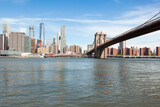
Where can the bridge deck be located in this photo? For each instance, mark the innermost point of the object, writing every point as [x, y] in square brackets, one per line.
[145, 28]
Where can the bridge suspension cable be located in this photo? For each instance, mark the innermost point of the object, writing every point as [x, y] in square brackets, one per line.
[152, 17]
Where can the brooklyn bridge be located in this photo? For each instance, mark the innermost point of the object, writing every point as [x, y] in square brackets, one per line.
[100, 42]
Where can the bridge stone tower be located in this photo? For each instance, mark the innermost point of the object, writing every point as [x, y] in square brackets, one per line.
[100, 38]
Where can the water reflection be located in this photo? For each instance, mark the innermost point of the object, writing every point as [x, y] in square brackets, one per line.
[60, 75]
[79, 82]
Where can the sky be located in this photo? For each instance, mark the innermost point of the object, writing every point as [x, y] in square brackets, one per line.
[82, 18]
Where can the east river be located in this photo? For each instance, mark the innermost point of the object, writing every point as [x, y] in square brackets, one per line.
[79, 82]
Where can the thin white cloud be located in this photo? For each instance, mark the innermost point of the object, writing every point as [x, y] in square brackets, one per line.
[145, 11]
[15, 20]
[96, 15]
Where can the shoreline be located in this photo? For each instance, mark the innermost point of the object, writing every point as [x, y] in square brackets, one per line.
[108, 57]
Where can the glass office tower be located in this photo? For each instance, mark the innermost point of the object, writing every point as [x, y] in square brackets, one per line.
[42, 34]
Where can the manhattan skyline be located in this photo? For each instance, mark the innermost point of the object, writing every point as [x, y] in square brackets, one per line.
[82, 18]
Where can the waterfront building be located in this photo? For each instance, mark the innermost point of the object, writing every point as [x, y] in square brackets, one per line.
[141, 52]
[122, 48]
[135, 51]
[33, 46]
[108, 51]
[90, 47]
[128, 51]
[63, 38]
[54, 40]
[76, 49]
[31, 31]
[122, 51]
[6, 29]
[9, 53]
[72, 48]
[42, 50]
[27, 44]
[122, 45]
[1, 41]
[55, 48]
[158, 51]
[145, 51]
[6, 32]
[48, 49]
[65, 49]
[112, 51]
[16, 41]
[59, 40]
[6, 47]
[79, 50]
[42, 34]
[39, 43]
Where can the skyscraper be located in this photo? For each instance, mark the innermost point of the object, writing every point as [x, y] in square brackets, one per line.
[54, 40]
[16, 41]
[1, 41]
[6, 29]
[42, 34]
[27, 44]
[6, 32]
[31, 31]
[63, 38]
[59, 40]
[122, 45]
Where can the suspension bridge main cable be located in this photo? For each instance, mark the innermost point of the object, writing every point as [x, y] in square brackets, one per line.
[152, 17]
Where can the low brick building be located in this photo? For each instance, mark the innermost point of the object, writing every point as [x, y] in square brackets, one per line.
[158, 51]
[33, 46]
[145, 51]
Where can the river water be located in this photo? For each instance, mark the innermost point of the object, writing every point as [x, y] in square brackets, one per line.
[79, 82]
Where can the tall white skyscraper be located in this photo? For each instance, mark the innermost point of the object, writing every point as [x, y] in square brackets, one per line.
[31, 31]
[59, 40]
[122, 45]
[6, 32]
[6, 29]
[63, 38]
[42, 34]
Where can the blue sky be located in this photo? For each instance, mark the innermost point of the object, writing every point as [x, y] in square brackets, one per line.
[83, 18]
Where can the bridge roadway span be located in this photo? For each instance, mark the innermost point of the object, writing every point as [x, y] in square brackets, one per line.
[145, 28]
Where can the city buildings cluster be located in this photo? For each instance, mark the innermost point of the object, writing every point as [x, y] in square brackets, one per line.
[122, 49]
[16, 43]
